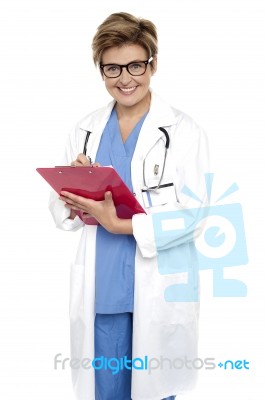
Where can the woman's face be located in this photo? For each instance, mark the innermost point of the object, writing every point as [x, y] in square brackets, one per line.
[128, 90]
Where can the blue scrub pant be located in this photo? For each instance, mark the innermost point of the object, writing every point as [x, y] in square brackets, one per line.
[113, 339]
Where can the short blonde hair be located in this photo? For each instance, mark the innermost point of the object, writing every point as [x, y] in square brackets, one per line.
[120, 29]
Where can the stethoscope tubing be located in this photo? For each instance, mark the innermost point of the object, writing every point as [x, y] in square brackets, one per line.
[167, 144]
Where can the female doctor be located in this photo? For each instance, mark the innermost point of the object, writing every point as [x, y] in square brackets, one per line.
[117, 306]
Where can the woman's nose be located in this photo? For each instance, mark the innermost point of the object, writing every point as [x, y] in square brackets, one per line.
[125, 77]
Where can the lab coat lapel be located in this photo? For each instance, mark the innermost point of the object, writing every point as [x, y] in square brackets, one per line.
[160, 115]
[96, 124]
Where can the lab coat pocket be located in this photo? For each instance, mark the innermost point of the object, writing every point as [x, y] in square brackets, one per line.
[158, 197]
[177, 313]
[175, 287]
[76, 303]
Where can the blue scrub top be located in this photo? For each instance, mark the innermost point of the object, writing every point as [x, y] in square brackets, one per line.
[115, 254]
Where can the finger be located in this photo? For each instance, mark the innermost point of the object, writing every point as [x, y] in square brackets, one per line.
[70, 196]
[96, 164]
[83, 160]
[87, 215]
[64, 198]
[69, 201]
[78, 201]
[76, 164]
[76, 207]
[72, 207]
[108, 197]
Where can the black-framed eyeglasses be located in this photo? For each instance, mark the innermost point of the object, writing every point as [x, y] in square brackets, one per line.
[135, 68]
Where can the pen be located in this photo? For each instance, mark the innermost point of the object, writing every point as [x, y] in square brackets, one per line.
[85, 146]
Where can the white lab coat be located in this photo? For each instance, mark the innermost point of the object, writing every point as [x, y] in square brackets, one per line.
[160, 328]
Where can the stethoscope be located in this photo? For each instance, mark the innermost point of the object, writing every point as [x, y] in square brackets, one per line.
[146, 188]
[156, 166]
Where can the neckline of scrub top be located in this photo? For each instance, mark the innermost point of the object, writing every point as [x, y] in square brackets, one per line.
[132, 138]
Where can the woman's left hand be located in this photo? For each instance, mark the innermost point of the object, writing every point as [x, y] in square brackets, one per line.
[103, 211]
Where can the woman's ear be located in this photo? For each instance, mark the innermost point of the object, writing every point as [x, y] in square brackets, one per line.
[102, 74]
[154, 65]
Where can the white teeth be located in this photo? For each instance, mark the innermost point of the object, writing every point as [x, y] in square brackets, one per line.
[128, 89]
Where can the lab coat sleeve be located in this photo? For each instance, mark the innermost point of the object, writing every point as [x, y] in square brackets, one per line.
[57, 207]
[190, 173]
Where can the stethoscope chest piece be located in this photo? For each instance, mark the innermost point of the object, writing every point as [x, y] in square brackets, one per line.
[156, 169]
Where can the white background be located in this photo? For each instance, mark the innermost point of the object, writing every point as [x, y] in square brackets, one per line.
[212, 66]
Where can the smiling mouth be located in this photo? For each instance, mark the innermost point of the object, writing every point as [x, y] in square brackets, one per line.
[127, 90]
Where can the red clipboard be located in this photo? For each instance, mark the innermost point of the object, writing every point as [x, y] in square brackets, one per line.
[92, 183]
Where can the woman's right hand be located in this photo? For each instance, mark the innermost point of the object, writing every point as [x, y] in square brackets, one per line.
[83, 161]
